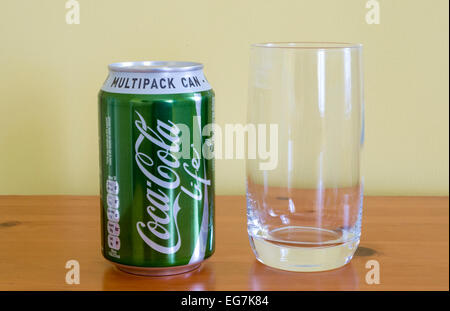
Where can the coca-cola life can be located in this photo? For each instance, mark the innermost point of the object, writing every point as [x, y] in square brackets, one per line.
[156, 167]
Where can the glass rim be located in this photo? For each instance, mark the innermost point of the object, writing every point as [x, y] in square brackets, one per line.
[308, 45]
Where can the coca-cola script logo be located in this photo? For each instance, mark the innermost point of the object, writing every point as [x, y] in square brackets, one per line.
[163, 215]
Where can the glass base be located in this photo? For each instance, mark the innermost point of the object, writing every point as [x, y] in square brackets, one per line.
[299, 257]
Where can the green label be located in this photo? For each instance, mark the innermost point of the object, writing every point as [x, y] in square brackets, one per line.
[157, 185]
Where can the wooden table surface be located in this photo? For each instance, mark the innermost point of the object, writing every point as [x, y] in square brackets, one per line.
[408, 236]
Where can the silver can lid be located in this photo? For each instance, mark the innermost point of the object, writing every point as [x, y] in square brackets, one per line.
[155, 66]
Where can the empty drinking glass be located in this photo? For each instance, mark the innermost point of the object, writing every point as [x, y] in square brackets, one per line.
[305, 214]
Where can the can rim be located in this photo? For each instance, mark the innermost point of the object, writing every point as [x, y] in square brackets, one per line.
[155, 66]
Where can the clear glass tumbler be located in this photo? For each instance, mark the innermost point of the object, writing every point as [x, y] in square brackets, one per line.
[305, 213]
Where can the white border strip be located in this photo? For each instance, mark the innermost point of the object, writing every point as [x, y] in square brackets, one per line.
[156, 82]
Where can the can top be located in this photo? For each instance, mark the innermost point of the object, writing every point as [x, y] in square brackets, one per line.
[156, 77]
[155, 66]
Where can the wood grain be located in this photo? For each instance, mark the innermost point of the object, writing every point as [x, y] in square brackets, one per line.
[408, 236]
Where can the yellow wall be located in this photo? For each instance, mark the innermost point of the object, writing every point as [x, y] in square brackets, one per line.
[51, 73]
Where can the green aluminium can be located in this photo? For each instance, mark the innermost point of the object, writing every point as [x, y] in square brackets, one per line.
[156, 167]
